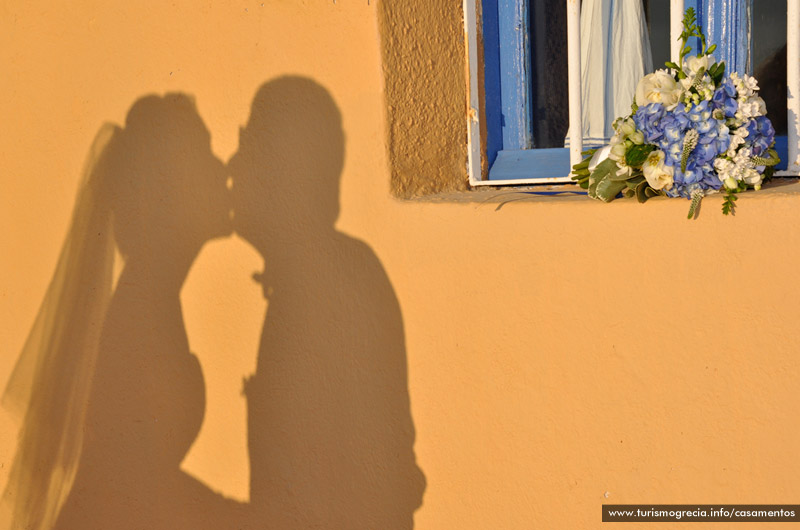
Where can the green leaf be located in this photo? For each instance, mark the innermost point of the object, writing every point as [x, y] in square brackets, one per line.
[644, 191]
[641, 193]
[634, 181]
[670, 64]
[622, 177]
[608, 189]
[728, 205]
[637, 154]
[719, 73]
[603, 170]
[580, 170]
[711, 49]
[583, 164]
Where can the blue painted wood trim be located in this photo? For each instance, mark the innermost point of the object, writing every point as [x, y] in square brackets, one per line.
[491, 76]
[530, 164]
[726, 23]
[782, 147]
[514, 33]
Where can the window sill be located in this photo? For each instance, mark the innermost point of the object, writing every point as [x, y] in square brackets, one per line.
[778, 188]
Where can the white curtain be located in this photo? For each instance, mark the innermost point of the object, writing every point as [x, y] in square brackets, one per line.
[615, 54]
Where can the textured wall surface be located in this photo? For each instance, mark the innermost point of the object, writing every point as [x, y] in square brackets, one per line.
[424, 81]
[484, 369]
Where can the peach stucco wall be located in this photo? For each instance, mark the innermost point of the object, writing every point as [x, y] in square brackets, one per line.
[537, 362]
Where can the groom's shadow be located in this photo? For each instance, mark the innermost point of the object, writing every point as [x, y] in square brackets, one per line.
[331, 438]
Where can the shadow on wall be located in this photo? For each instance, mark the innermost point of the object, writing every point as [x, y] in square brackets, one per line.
[111, 396]
[113, 399]
[330, 431]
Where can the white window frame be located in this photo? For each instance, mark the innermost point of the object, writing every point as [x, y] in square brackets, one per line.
[475, 151]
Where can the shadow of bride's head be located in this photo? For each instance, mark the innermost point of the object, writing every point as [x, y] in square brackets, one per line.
[167, 188]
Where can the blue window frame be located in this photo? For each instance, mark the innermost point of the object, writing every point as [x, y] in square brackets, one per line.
[508, 71]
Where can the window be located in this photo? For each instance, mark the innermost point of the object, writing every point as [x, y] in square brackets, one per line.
[531, 75]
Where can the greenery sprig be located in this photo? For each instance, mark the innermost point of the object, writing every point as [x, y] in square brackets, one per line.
[690, 29]
[729, 204]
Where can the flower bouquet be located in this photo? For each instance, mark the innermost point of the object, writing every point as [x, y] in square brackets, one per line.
[693, 131]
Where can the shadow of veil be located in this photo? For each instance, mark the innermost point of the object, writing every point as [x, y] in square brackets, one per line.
[111, 396]
[331, 438]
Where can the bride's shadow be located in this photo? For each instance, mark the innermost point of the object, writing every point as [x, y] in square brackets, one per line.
[331, 438]
[113, 399]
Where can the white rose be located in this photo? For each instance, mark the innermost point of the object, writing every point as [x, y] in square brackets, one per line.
[658, 87]
[658, 174]
[693, 64]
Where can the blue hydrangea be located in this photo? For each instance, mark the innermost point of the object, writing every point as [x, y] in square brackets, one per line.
[668, 133]
[648, 119]
[761, 134]
[725, 98]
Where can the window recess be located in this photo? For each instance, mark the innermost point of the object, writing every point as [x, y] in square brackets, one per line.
[529, 106]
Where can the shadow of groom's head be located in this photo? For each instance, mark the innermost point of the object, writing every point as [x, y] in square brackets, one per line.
[290, 159]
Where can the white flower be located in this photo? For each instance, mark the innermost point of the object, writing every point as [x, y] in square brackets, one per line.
[751, 176]
[742, 158]
[624, 169]
[724, 168]
[618, 148]
[740, 169]
[658, 87]
[658, 174]
[627, 127]
[736, 139]
[750, 82]
[693, 64]
[746, 86]
[751, 107]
